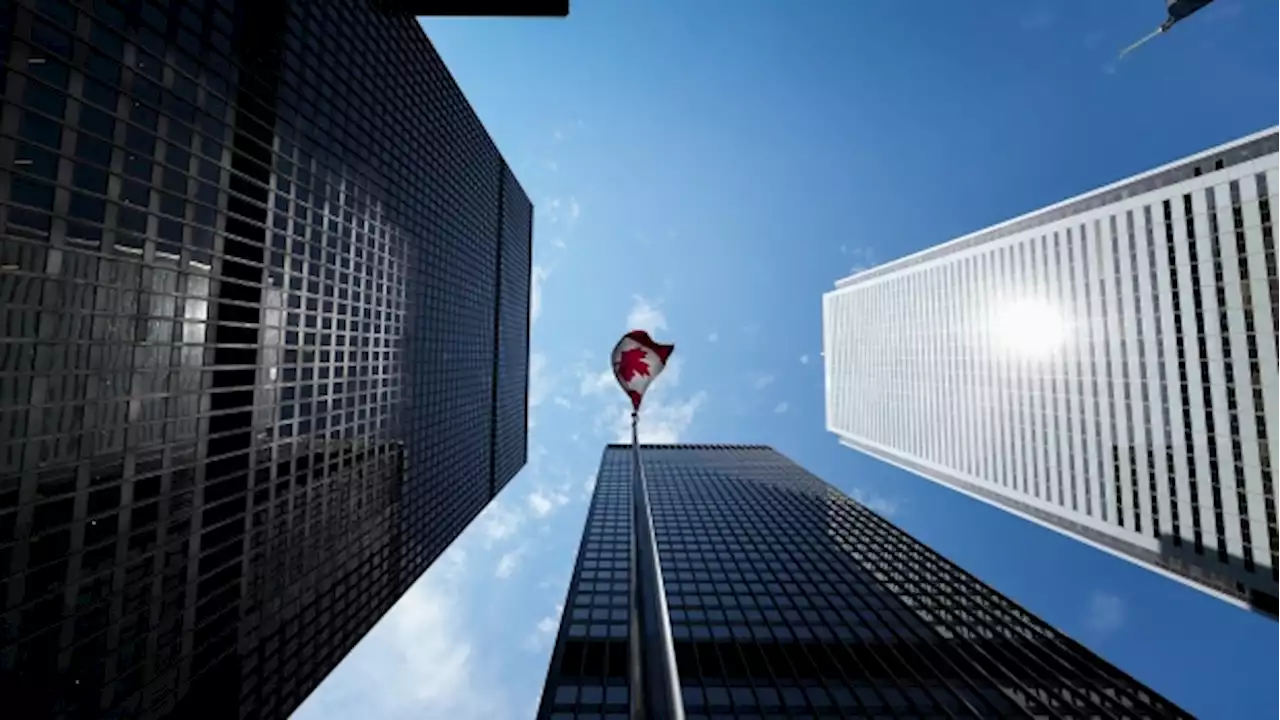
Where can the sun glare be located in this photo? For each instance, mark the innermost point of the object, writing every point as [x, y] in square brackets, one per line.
[1030, 328]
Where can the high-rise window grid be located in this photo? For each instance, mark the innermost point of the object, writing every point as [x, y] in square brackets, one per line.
[1153, 314]
[267, 313]
[788, 599]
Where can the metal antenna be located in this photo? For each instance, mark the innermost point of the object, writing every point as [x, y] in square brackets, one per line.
[1178, 10]
[1141, 42]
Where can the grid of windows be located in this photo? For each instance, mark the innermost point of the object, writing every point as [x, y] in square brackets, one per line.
[788, 599]
[263, 344]
[1162, 388]
[589, 666]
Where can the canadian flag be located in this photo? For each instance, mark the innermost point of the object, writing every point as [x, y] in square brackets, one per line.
[637, 360]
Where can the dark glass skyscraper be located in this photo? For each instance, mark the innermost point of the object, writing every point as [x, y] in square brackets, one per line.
[788, 599]
[264, 285]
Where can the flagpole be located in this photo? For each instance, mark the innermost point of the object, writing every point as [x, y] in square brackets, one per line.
[655, 686]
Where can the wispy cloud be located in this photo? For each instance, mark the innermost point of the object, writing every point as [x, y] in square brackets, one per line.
[545, 631]
[886, 506]
[645, 315]
[498, 522]
[596, 383]
[860, 257]
[666, 414]
[762, 381]
[1105, 613]
[537, 276]
[713, 337]
[508, 563]
[561, 211]
[804, 359]
[781, 408]
[542, 502]
[541, 383]
[418, 661]
[563, 402]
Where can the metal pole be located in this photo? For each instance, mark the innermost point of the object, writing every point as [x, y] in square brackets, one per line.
[635, 656]
[659, 687]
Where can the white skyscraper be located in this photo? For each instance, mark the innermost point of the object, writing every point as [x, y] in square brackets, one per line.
[1105, 367]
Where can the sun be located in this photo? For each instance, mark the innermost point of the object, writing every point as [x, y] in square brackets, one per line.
[1030, 328]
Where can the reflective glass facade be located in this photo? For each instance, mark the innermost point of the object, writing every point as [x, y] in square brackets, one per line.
[264, 285]
[1105, 367]
[789, 599]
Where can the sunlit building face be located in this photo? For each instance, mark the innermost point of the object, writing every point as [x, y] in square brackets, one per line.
[1030, 328]
[1105, 367]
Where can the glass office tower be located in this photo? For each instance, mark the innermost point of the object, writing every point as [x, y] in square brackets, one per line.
[264, 285]
[788, 599]
[1104, 367]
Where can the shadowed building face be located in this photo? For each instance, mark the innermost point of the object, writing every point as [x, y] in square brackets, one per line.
[264, 286]
[788, 598]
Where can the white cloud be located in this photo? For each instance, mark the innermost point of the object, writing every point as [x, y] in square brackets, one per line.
[548, 625]
[888, 507]
[541, 383]
[508, 563]
[596, 383]
[545, 630]
[561, 211]
[588, 486]
[558, 243]
[660, 423]
[804, 359]
[543, 502]
[663, 418]
[666, 414]
[498, 522]
[416, 662]
[563, 402]
[645, 315]
[863, 257]
[713, 337]
[762, 381]
[781, 408]
[536, 277]
[1105, 613]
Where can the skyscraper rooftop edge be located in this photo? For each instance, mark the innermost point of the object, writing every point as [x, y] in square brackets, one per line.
[1258, 143]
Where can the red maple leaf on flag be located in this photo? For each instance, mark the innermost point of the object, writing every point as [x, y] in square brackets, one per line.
[632, 363]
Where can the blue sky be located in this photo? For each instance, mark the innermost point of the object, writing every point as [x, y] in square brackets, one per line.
[706, 171]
